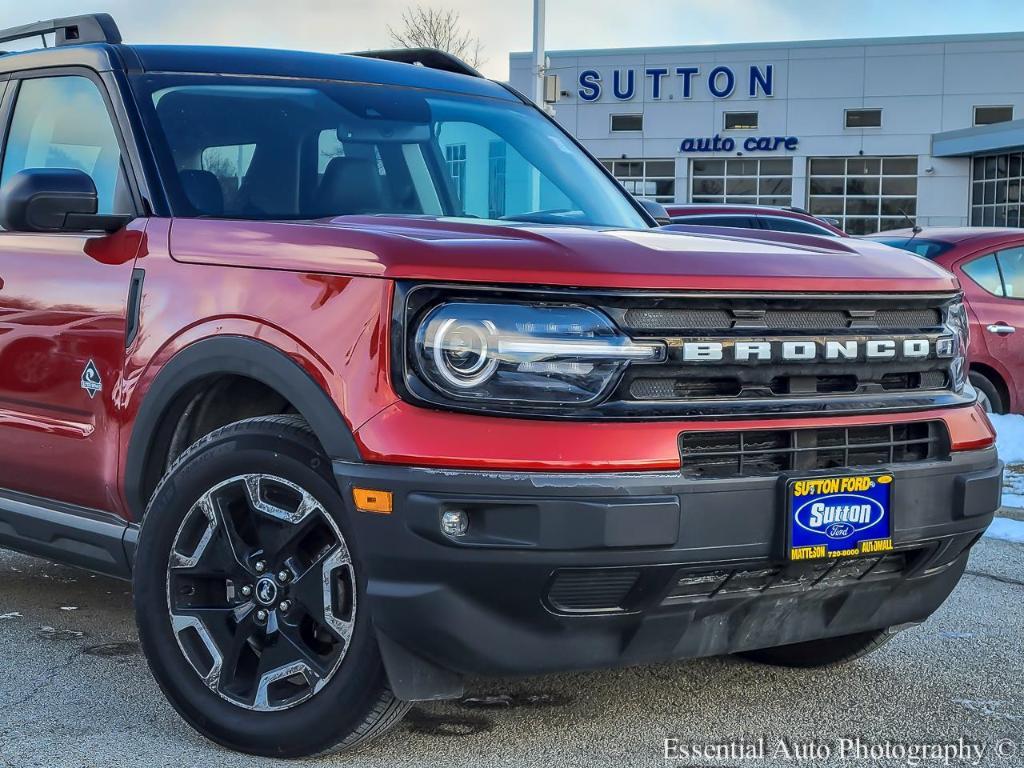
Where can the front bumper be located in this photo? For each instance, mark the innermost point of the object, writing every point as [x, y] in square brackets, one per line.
[565, 571]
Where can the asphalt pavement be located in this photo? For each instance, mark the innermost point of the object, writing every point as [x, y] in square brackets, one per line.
[75, 691]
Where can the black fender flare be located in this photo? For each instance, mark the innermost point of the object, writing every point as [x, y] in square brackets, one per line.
[230, 355]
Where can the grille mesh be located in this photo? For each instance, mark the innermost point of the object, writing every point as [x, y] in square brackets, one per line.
[647, 319]
[738, 453]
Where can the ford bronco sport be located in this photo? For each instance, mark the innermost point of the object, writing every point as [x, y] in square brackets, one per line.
[372, 379]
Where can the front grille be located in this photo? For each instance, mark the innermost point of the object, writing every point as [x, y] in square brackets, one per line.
[728, 383]
[791, 577]
[744, 453]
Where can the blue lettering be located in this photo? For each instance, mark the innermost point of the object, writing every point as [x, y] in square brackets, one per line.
[656, 73]
[687, 73]
[762, 80]
[728, 144]
[769, 143]
[630, 85]
[730, 82]
[686, 145]
[590, 85]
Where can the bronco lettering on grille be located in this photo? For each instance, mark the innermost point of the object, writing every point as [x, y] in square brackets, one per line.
[803, 350]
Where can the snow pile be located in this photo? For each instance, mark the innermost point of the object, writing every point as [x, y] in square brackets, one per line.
[1006, 529]
[1010, 444]
[1009, 436]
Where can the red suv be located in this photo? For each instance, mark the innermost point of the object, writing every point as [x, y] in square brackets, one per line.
[990, 265]
[372, 380]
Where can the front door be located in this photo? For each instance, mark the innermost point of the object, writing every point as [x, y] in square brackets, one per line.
[995, 293]
[62, 304]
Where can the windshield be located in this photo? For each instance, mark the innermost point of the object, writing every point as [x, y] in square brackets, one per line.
[929, 249]
[300, 149]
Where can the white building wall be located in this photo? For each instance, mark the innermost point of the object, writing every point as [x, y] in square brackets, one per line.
[923, 86]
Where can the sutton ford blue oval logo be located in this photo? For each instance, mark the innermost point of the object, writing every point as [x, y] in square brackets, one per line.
[839, 516]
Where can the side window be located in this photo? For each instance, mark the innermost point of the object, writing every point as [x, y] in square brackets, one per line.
[62, 122]
[229, 164]
[328, 147]
[1011, 264]
[985, 272]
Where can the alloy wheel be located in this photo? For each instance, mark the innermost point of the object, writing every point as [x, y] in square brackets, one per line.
[261, 592]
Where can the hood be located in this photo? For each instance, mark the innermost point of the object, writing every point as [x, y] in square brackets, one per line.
[466, 250]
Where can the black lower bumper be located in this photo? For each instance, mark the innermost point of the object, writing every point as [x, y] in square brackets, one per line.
[573, 571]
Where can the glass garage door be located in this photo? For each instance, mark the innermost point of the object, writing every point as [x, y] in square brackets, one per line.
[866, 194]
[997, 199]
[649, 179]
[744, 181]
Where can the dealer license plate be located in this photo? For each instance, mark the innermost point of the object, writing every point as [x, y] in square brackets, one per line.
[839, 516]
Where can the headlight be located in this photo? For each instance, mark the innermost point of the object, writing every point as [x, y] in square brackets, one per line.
[553, 355]
[958, 324]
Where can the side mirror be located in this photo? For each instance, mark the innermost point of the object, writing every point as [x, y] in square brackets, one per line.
[54, 200]
[657, 211]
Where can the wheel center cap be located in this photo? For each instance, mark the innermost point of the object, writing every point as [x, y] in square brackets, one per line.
[266, 591]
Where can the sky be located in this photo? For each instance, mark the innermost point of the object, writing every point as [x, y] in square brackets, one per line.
[506, 25]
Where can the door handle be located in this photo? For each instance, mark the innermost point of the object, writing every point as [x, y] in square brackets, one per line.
[1001, 328]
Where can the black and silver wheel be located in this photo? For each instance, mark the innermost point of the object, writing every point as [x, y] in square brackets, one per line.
[248, 597]
[988, 396]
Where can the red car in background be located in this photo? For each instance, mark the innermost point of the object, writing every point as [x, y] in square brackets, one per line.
[753, 217]
[990, 265]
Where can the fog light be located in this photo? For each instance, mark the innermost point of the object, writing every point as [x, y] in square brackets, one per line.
[454, 523]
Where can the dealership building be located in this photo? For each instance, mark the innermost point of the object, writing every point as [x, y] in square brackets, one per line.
[868, 132]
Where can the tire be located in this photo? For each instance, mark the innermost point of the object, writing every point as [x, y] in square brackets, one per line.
[288, 684]
[831, 652]
[988, 396]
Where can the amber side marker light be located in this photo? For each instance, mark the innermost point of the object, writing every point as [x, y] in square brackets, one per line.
[372, 501]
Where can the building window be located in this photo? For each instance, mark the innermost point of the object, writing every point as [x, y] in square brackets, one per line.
[497, 152]
[455, 158]
[649, 179]
[863, 118]
[997, 198]
[741, 121]
[627, 123]
[866, 194]
[989, 115]
[743, 181]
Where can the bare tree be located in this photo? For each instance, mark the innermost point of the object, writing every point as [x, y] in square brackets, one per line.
[440, 28]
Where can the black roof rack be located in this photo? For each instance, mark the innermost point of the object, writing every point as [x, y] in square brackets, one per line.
[73, 30]
[425, 57]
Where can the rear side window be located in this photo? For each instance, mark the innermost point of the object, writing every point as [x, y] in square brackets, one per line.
[1011, 265]
[62, 122]
[985, 272]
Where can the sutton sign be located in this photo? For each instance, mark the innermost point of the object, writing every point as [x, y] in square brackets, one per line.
[721, 82]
